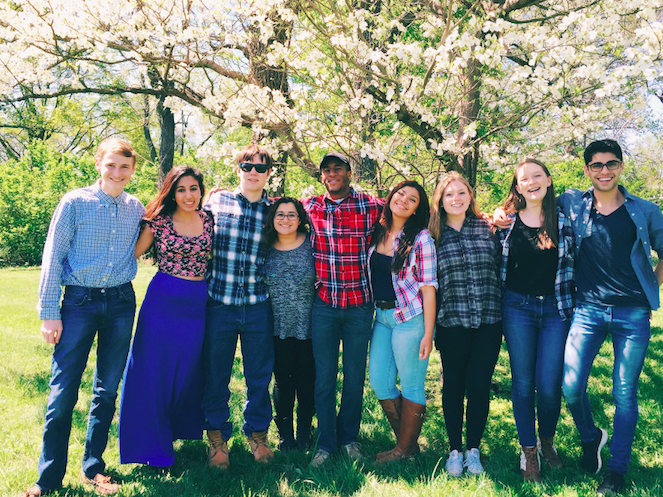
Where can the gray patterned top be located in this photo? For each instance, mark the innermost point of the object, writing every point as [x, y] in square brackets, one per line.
[290, 277]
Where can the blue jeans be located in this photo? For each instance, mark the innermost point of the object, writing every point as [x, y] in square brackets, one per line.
[86, 313]
[395, 352]
[254, 324]
[629, 328]
[535, 336]
[332, 325]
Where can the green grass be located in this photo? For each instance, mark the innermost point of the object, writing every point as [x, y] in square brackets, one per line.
[25, 371]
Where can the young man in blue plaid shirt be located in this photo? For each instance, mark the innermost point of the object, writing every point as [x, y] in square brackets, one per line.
[238, 306]
[90, 251]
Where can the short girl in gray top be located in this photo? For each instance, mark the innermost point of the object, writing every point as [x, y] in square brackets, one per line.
[290, 278]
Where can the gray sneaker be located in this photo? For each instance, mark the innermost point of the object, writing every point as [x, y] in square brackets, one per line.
[353, 450]
[321, 456]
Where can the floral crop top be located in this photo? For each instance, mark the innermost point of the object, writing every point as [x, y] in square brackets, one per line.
[181, 255]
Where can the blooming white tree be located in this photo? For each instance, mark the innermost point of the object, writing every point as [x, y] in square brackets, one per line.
[404, 86]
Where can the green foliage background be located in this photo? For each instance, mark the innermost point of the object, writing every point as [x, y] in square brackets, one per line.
[32, 186]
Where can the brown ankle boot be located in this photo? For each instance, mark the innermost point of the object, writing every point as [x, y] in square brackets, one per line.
[530, 464]
[412, 418]
[258, 443]
[218, 450]
[548, 451]
[392, 410]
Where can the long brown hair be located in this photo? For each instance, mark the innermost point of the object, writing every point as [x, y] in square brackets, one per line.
[413, 226]
[438, 216]
[515, 202]
[164, 203]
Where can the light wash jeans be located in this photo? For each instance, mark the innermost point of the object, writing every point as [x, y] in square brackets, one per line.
[395, 352]
[630, 332]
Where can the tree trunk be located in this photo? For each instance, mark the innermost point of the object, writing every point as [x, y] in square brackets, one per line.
[167, 142]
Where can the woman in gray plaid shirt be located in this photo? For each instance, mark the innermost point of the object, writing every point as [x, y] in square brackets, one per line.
[469, 326]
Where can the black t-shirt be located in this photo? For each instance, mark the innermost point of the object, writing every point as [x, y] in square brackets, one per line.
[383, 288]
[604, 273]
[530, 270]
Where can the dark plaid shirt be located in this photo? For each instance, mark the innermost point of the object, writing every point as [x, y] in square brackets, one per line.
[238, 256]
[468, 274]
[340, 236]
[565, 285]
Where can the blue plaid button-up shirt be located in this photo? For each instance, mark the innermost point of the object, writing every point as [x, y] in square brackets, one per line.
[565, 276]
[90, 243]
[237, 275]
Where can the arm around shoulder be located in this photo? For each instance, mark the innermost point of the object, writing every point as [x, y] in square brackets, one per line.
[144, 241]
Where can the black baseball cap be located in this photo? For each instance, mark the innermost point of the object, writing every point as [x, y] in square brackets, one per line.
[335, 155]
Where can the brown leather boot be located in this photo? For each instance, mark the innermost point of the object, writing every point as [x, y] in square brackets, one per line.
[392, 410]
[530, 464]
[412, 418]
[218, 450]
[258, 443]
[548, 451]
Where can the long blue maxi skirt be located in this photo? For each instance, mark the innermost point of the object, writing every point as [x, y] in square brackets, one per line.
[164, 379]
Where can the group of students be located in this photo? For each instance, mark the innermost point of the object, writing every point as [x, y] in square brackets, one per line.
[296, 279]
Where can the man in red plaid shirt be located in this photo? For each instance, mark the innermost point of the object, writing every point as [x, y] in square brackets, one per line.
[342, 221]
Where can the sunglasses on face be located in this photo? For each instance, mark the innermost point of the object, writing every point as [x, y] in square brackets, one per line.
[280, 216]
[597, 167]
[247, 166]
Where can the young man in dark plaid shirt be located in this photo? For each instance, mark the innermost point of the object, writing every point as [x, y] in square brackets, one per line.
[342, 221]
[238, 306]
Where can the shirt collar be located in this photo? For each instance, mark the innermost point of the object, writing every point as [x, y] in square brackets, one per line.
[589, 193]
[103, 197]
[328, 198]
[263, 200]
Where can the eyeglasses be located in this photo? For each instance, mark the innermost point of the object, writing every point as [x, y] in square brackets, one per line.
[280, 216]
[247, 166]
[597, 167]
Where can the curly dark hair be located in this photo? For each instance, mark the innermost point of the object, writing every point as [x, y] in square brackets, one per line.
[270, 235]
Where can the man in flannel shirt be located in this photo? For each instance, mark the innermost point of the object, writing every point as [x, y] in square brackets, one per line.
[342, 221]
[617, 290]
[238, 306]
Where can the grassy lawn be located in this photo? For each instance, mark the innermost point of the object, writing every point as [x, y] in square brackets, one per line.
[25, 371]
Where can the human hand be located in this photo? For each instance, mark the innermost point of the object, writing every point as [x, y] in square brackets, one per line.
[500, 219]
[51, 330]
[425, 347]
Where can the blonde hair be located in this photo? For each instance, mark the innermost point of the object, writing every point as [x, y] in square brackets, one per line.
[438, 216]
[115, 146]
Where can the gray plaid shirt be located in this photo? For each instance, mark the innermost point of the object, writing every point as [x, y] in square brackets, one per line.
[468, 264]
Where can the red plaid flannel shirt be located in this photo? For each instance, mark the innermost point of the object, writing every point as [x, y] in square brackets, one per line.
[340, 236]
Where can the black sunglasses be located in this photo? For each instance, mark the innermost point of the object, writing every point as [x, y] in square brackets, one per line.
[247, 166]
[598, 166]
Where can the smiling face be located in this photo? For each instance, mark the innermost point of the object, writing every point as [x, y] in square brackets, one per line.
[116, 171]
[187, 194]
[253, 182]
[604, 180]
[456, 199]
[336, 177]
[286, 219]
[404, 202]
[532, 182]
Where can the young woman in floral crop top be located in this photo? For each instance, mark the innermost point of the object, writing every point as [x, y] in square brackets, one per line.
[163, 382]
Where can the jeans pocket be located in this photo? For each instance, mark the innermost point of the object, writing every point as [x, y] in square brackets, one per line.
[128, 295]
[514, 299]
[74, 297]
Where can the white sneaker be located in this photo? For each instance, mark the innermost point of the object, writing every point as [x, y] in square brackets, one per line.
[454, 465]
[353, 450]
[320, 457]
[473, 462]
